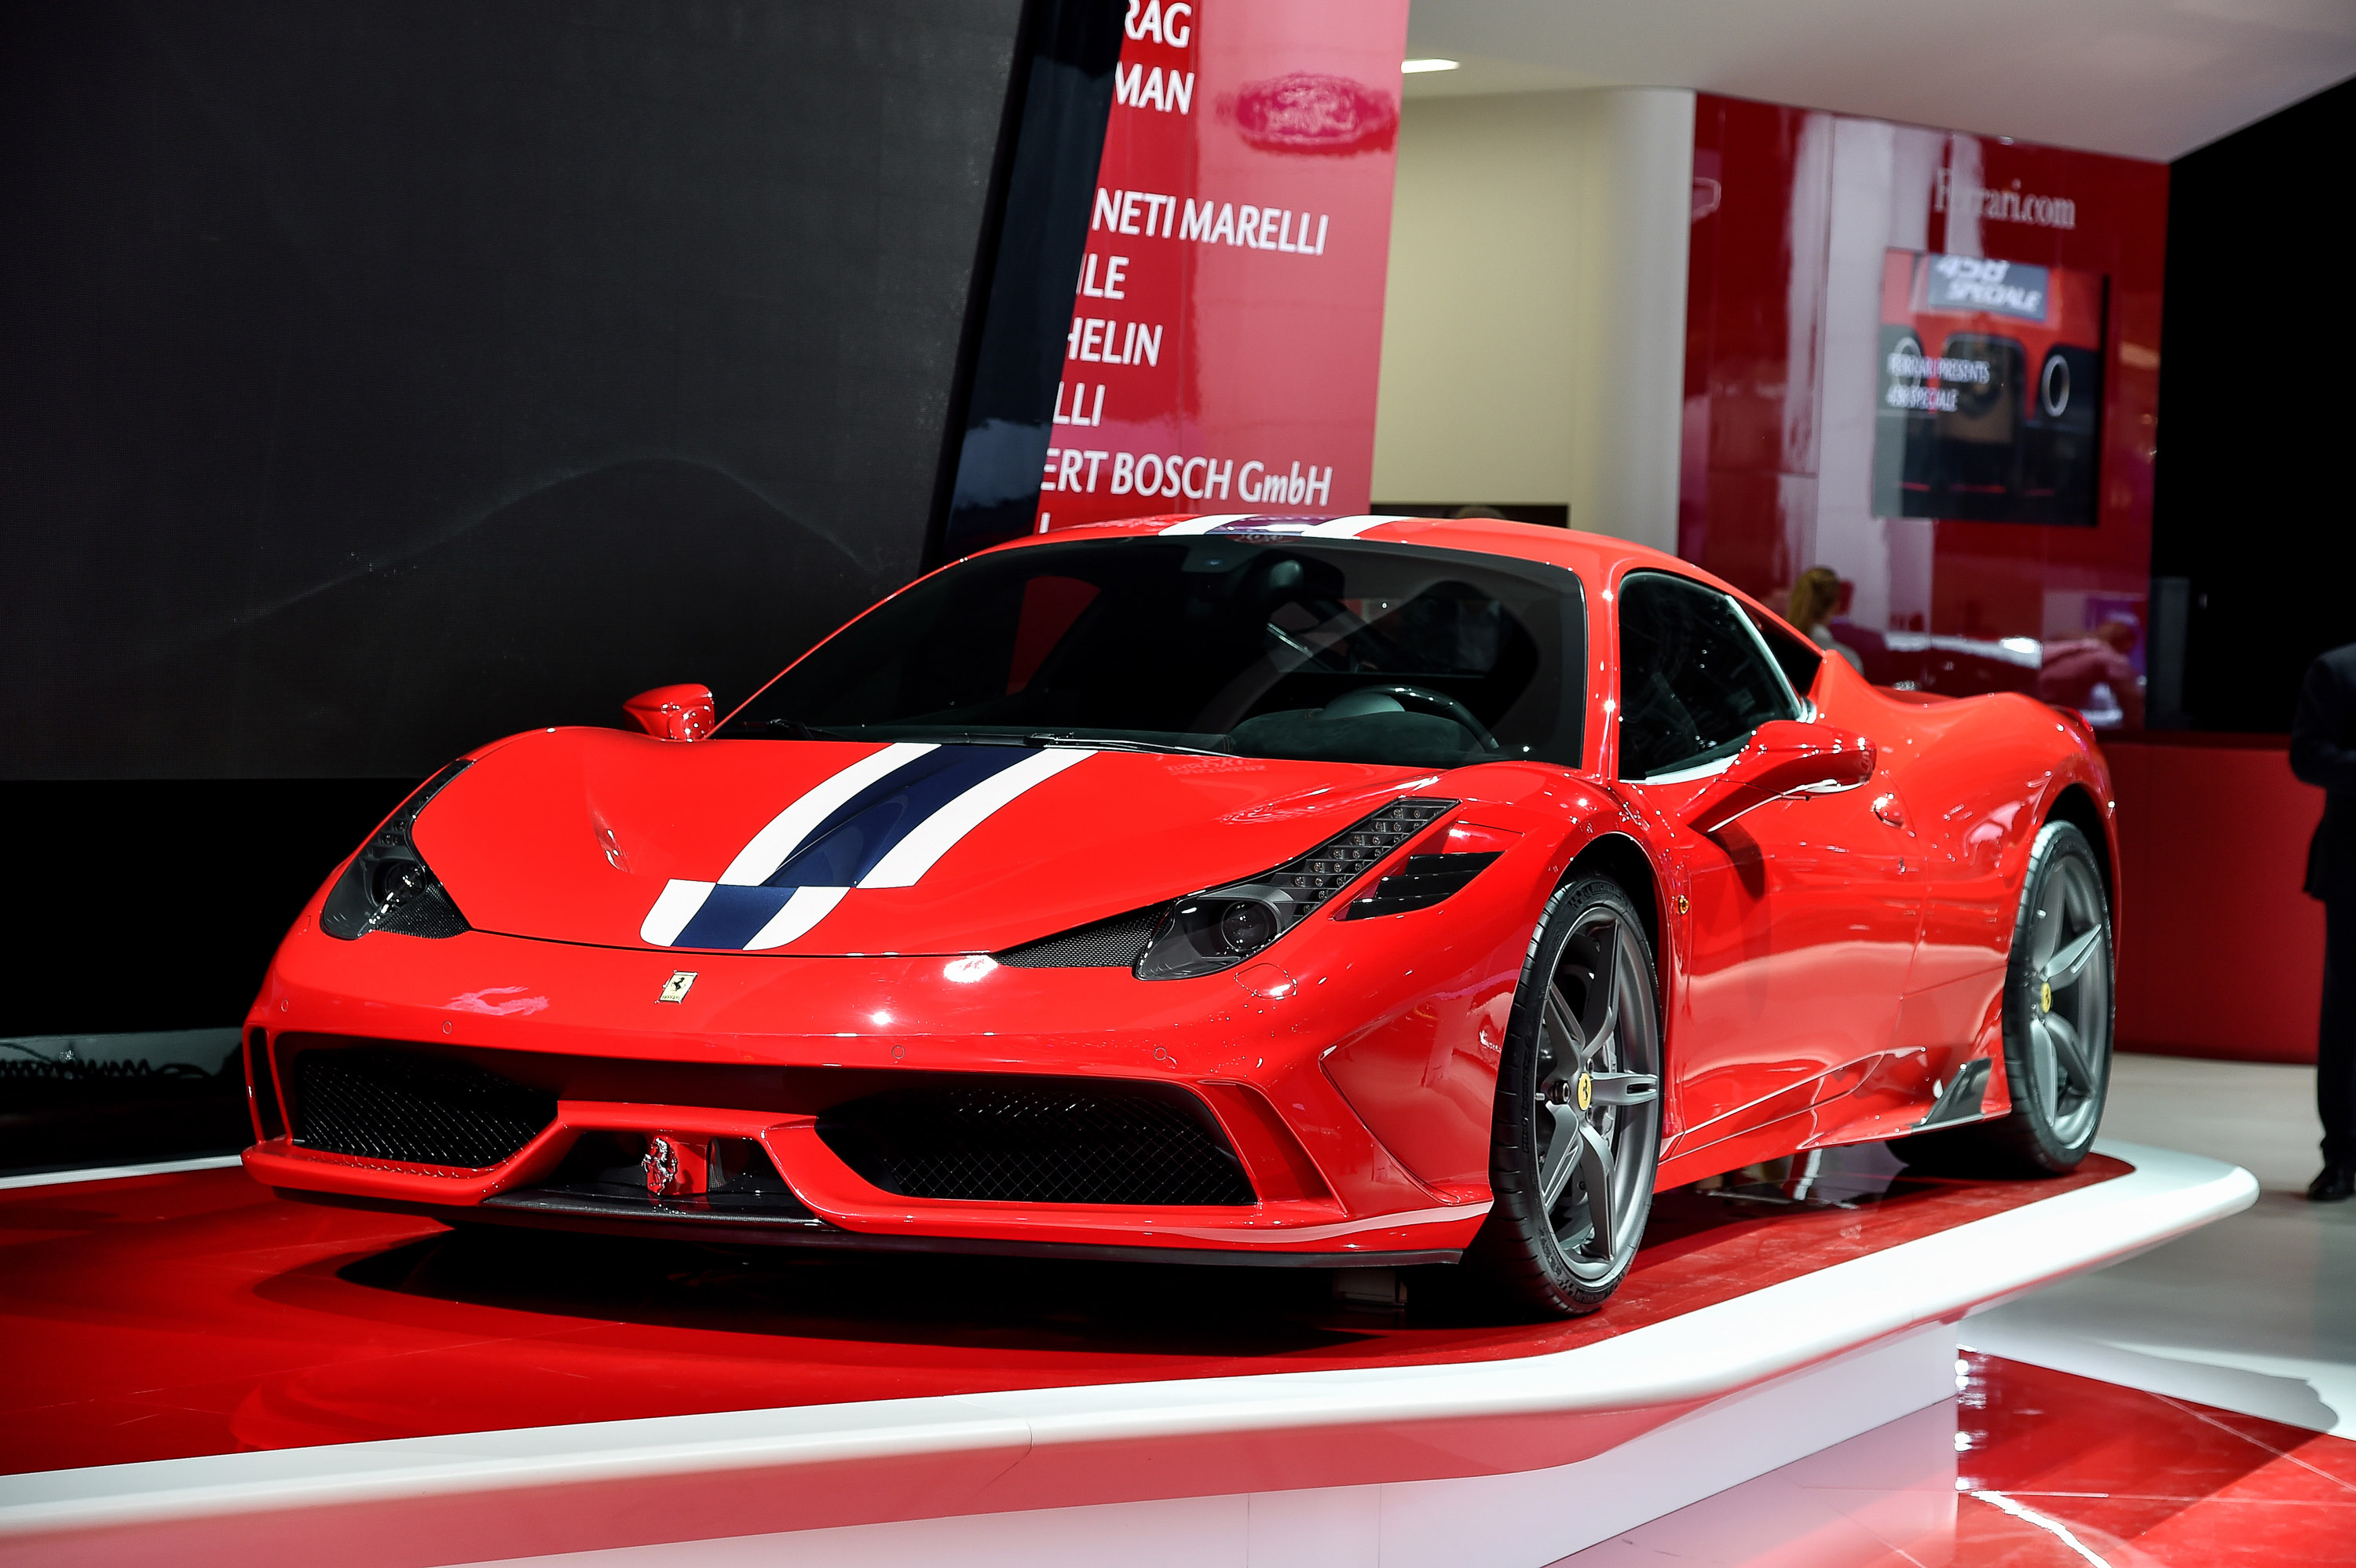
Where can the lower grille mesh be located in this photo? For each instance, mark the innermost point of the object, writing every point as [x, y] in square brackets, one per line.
[418, 1109]
[1038, 1141]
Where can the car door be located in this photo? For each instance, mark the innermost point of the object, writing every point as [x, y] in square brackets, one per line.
[1804, 914]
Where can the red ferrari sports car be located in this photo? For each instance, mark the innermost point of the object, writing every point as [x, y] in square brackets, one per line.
[1321, 892]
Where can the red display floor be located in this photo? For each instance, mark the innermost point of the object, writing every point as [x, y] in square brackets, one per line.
[2028, 1467]
[2140, 1477]
[200, 1372]
[196, 1313]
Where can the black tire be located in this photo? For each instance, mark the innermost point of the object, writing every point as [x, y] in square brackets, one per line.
[2057, 1042]
[1578, 1092]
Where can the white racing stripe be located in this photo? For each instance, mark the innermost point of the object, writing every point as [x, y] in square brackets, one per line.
[673, 910]
[937, 834]
[907, 860]
[759, 860]
[1203, 524]
[804, 910]
[1326, 528]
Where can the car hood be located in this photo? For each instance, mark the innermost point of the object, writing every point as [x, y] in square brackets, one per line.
[814, 846]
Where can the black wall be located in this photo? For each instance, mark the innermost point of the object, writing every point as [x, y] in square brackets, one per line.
[1014, 377]
[159, 904]
[2252, 511]
[380, 379]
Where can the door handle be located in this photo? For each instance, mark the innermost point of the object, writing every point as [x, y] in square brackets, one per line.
[1886, 807]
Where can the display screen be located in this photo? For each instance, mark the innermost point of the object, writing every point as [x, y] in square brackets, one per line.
[383, 380]
[1991, 390]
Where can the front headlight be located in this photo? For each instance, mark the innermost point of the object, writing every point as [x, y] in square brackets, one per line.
[389, 886]
[1220, 928]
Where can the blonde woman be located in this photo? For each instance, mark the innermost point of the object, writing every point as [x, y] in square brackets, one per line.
[1814, 597]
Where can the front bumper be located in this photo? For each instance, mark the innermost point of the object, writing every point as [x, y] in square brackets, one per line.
[759, 1048]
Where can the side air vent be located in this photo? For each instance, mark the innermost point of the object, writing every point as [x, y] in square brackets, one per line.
[1107, 944]
[1039, 1140]
[1423, 881]
[414, 1108]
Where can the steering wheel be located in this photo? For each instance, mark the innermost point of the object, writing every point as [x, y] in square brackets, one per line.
[1409, 699]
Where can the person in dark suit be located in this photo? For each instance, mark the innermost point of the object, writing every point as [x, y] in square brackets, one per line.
[2323, 753]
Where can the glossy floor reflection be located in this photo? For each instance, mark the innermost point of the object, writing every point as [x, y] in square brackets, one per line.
[2193, 1405]
[169, 1315]
[2255, 1314]
[2029, 1468]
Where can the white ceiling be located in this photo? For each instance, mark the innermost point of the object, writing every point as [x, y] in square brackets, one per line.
[2147, 78]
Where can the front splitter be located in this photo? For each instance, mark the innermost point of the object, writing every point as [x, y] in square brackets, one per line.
[521, 1212]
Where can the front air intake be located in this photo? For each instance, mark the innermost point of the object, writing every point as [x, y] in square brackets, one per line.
[1039, 1140]
[1112, 944]
[413, 1108]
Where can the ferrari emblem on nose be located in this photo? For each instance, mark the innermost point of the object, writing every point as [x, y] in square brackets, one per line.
[661, 1165]
[675, 988]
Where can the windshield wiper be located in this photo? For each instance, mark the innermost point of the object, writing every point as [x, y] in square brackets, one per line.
[794, 729]
[1094, 744]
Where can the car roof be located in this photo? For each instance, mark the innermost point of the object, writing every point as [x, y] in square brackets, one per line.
[1598, 559]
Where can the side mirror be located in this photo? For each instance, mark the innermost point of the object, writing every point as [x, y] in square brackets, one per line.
[1784, 758]
[674, 712]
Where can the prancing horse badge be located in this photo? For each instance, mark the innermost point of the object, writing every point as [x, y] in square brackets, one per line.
[675, 988]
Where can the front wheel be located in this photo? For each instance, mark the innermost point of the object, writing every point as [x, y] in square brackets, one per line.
[2057, 1024]
[1575, 1142]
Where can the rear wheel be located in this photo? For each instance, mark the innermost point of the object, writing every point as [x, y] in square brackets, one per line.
[1575, 1142]
[2057, 1023]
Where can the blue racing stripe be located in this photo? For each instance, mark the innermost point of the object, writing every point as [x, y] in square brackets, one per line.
[731, 916]
[844, 848]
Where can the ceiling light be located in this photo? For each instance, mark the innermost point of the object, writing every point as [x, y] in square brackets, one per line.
[1411, 67]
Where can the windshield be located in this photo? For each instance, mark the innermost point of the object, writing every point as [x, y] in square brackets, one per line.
[1324, 650]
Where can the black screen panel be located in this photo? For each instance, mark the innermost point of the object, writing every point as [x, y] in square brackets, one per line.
[386, 378]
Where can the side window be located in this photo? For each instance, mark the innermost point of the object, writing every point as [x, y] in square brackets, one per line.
[1799, 658]
[1693, 684]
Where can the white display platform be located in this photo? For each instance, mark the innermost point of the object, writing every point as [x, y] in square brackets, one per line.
[1516, 1461]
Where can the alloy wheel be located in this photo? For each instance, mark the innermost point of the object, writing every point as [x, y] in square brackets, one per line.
[1598, 1108]
[2068, 976]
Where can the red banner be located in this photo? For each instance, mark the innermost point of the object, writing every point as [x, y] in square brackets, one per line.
[1228, 330]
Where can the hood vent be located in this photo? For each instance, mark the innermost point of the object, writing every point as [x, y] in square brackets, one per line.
[1112, 944]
